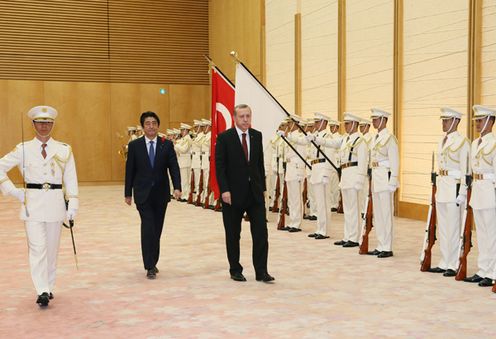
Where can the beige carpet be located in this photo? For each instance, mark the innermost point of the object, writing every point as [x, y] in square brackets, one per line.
[320, 290]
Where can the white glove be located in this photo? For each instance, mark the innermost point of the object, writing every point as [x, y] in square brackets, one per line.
[392, 188]
[280, 133]
[319, 141]
[18, 193]
[358, 187]
[310, 137]
[460, 199]
[71, 214]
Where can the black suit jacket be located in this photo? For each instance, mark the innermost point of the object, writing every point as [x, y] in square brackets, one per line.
[234, 173]
[141, 178]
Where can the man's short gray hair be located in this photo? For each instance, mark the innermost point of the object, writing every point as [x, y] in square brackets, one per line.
[240, 106]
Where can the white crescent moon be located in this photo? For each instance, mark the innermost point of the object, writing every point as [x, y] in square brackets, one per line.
[225, 114]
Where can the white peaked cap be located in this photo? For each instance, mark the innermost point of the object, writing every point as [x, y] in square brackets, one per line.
[131, 128]
[42, 113]
[351, 117]
[310, 121]
[176, 131]
[295, 118]
[197, 122]
[321, 116]
[364, 121]
[333, 122]
[139, 128]
[448, 113]
[185, 126]
[169, 131]
[483, 111]
[377, 113]
[206, 122]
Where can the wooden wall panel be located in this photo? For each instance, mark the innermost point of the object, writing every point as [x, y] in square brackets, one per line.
[236, 25]
[188, 103]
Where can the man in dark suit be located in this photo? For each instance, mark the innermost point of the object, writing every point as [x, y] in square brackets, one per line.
[241, 177]
[147, 163]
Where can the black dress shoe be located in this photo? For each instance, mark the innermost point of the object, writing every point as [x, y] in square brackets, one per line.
[385, 254]
[320, 236]
[50, 296]
[486, 282]
[43, 299]
[266, 277]
[350, 243]
[238, 276]
[473, 279]
[305, 217]
[449, 273]
[285, 228]
[156, 270]
[294, 229]
[312, 235]
[151, 274]
[334, 209]
[436, 270]
[374, 252]
[312, 217]
[339, 243]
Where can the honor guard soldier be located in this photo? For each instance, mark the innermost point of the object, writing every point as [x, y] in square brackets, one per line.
[275, 146]
[48, 169]
[139, 131]
[364, 128]
[295, 174]
[282, 163]
[321, 175]
[483, 199]
[452, 156]
[353, 162]
[183, 150]
[205, 165]
[310, 152]
[334, 191]
[196, 160]
[385, 170]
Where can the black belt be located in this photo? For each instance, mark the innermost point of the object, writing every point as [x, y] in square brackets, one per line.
[45, 186]
[349, 164]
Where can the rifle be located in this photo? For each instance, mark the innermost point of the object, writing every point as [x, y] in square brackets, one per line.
[284, 206]
[206, 203]
[340, 208]
[200, 190]
[191, 187]
[367, 219]
[218, 206]
[466, 233]
[277, 194]
[304, 195]
[430, 228]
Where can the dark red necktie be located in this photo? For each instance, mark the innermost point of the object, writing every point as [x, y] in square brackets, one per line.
[43, 151]
[245, 146]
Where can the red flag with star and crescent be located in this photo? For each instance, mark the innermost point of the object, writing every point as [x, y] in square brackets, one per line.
[222, 117]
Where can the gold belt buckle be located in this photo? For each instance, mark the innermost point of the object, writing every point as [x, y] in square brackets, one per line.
[46, 186]
[478, 176]
[375, 164]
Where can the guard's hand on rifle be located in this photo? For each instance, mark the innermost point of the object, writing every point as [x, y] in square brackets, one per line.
[18, 193]
[226, 197]
[280, 133]
[460, 199]
[310, 137]
[71, 214]
[319, 141]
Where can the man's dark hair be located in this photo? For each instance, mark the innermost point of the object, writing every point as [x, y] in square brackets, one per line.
[149, 114]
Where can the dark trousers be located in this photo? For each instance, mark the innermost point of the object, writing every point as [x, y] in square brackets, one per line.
[232, 215]
[152, 213]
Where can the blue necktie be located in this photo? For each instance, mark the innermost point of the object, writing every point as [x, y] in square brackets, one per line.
[151, 154]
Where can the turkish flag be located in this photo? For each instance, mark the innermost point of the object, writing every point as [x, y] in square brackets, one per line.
[222, 117]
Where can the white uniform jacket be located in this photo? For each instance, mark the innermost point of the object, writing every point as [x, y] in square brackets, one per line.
[295, 167]
[44, 205]
[205, 151]
[452, 164]
[196, 148]
[483, 163]
[385, 161]
[183, 150]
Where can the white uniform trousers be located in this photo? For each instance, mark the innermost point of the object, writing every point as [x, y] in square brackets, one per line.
[43, 242]
[271, 187]
[486, 242]
[351, 215]
[185, 181]
[196, 173]
[449, 227]
[295, 204]
[362, 197]
[206, 179]
[383, 220]
[334, 189]
[281, 189]
[312, 210]
[320, 192]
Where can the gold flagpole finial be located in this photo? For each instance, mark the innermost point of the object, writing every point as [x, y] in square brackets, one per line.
[234, 54]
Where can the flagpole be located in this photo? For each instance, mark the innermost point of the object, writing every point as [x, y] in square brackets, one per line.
[234, 54]
[211, 64]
